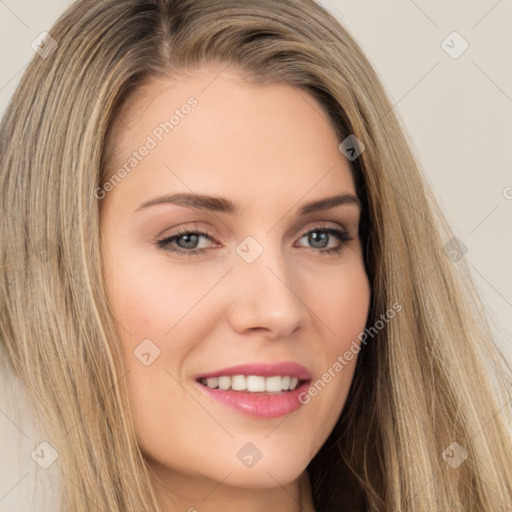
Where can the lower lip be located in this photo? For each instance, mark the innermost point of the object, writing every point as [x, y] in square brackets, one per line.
[259, 405]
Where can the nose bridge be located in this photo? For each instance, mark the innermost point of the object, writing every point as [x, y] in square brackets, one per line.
[267, 295]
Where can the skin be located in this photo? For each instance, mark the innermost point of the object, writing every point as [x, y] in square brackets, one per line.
[270, 149]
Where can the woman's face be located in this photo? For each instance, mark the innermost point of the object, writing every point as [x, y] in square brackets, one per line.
[276, 277]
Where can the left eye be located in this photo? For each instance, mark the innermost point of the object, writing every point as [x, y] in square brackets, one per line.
[319, 238]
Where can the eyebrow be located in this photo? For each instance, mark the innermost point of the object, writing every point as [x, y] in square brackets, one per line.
[223, 205]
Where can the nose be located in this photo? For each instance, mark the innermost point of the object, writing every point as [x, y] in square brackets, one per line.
[267, 297]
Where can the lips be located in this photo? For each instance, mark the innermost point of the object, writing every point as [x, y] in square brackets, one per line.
[260, 404]
[262, 369]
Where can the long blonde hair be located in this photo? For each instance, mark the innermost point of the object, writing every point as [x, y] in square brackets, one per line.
[421, 383]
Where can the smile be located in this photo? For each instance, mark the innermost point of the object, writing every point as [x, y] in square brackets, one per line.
[252, 383]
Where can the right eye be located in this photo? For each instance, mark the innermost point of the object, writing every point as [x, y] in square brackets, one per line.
[184, 242]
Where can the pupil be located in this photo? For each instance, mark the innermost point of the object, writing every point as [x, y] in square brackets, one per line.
[319, 237]
[190, 241]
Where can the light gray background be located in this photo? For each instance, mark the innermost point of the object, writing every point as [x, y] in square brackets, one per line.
[458, 113]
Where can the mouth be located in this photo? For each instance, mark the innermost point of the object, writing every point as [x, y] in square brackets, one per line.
[258, 390]
[255, 384]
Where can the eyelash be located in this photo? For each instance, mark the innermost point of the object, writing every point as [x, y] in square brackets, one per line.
[341, 234]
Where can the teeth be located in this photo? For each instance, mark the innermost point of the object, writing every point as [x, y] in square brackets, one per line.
[273, 384]
[213, 382]
[238, 383]
[252, 383]
[224, 383]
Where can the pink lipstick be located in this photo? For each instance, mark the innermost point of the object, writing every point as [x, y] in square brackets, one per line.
[259, 390]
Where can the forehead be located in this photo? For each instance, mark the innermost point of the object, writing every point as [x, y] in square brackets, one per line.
[212, 131]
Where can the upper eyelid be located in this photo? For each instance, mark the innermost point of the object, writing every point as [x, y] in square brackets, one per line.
[319, 225]
[204, 233]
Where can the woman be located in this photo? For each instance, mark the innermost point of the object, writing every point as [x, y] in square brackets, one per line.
[224, 286]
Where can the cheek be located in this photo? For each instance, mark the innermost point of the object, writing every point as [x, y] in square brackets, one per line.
[162, 315]
[152, 299]
[341, 308]
[341, 305]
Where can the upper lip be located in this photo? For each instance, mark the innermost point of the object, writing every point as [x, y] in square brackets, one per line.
[263, 369]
